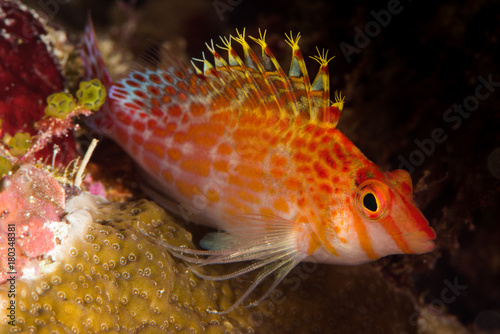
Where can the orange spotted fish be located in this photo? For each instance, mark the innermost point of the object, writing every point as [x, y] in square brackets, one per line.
[243, 147]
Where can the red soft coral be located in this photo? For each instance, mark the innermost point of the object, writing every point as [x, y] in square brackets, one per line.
[29, 72]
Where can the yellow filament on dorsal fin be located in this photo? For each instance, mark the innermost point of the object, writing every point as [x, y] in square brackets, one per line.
[196, 68]
[320, 88]
[322, 58]
[332, 116]
[278, 83]
[251, 60]
[234, 59]
[232, 56]
[298, 76]
[208, 68]
[212, 74]
[266, 90]
[266, 59]
[208, 71]
[275, 73]
[218, 60]
[235, 65]
[297, 67]
[223, 71]
[339, 101]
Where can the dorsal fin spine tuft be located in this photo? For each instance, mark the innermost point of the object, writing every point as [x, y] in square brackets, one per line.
[321, 83]
[274, 69]
[260, 84]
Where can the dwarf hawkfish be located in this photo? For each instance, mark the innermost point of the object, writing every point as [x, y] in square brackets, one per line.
[241, 146]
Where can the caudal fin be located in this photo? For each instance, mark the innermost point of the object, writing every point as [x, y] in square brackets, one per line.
[92, 58]
[96, 69]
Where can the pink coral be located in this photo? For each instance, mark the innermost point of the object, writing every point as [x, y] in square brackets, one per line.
[31, 198]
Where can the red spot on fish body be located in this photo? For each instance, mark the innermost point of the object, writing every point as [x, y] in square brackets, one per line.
[124, 118]
[175, 110]
[139, 126]
[326, 188]
[320, 170]
[139, 77]
[133, 83]
[327, 158]
[138, 139]
[156, 148]
[155, 78]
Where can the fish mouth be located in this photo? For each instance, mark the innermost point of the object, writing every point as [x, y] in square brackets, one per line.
[421, 241]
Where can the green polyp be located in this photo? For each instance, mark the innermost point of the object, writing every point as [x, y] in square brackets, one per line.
[59, 105]
[20, 143]
[5, 166]
[91, 94]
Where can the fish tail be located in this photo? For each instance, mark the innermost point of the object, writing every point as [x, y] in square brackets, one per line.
[95, 69]
[92, 58]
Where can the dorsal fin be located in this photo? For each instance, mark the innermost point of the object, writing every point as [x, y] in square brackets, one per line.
[245, 84]
[277, 78]
[237, 75]
[91, 57]
[256, 71]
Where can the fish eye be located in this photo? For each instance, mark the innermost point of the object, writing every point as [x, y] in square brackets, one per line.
[370, 202]
[373, 199]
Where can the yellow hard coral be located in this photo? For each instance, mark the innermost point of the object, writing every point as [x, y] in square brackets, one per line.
[108, 275]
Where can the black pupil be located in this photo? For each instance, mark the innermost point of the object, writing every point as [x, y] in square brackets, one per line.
[370, 202]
